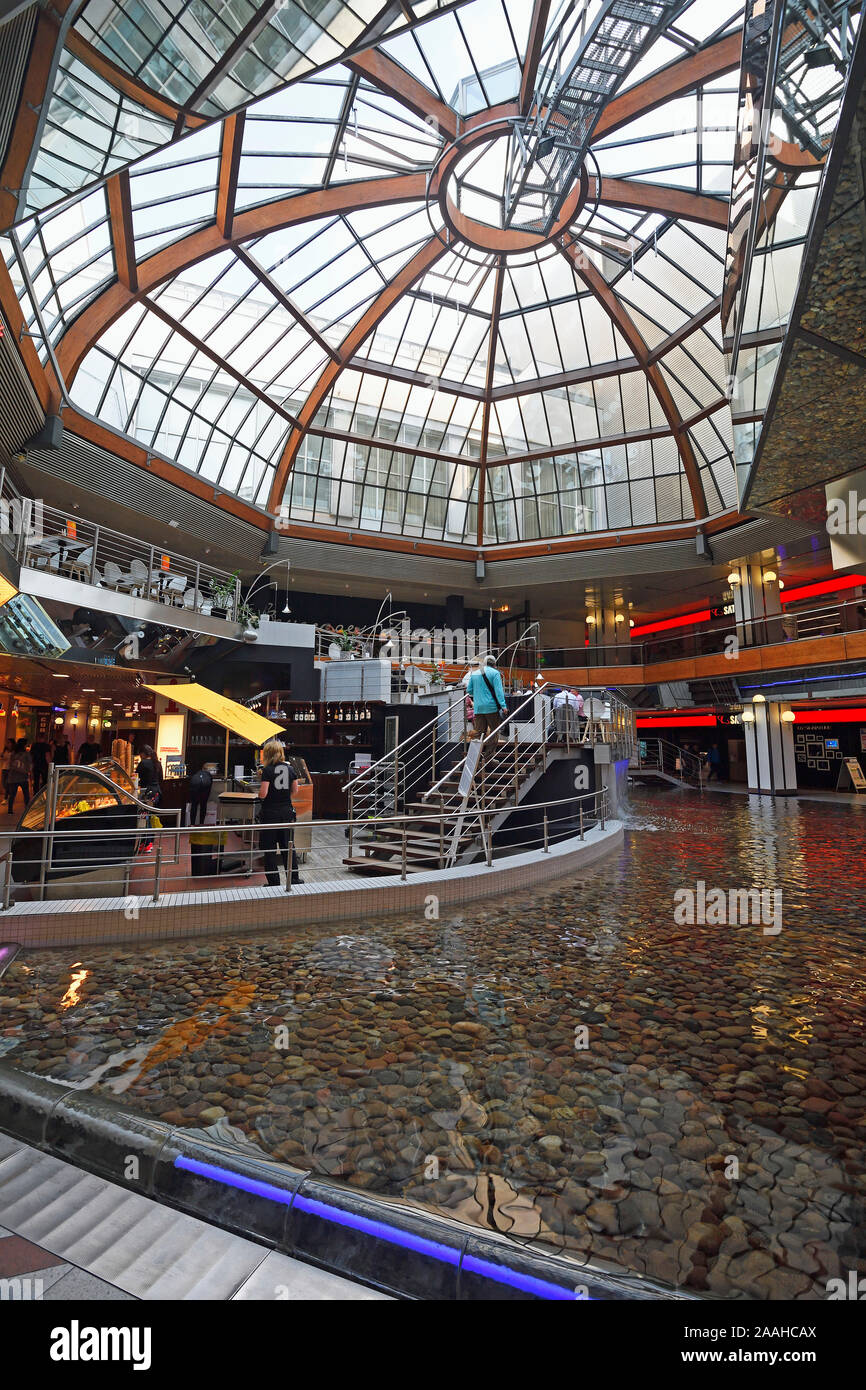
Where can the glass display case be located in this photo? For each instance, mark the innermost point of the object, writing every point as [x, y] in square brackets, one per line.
[79, 791]
[86, 801]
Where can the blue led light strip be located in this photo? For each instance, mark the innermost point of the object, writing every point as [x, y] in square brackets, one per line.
[381, 1230]
[809, 680]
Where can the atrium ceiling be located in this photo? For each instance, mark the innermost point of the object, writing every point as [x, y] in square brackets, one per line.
[449, 273]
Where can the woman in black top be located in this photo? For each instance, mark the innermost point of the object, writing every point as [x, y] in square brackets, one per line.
[278, 786]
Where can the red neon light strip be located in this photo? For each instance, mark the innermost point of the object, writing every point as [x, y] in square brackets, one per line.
[684, 621]
[830, 716]
[823, 586]
[698, 721]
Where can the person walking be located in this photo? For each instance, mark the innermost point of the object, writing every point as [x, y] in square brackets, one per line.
[5, 760]
[89, 753]
[488, 701]
[278, 785]
[60, 754]
[18, 776]
[39, 750]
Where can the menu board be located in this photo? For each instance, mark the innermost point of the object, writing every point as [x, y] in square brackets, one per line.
[851, 769]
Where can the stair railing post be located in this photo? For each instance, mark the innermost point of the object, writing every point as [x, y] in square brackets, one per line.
[403, 854]
[351, 816]
[546, 834]
[581, 818]
[157, 867]
[603, 799]
[488, 842]
[441, 836]
[516, 772]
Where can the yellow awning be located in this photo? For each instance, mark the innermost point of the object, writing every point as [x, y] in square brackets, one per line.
[228, 713]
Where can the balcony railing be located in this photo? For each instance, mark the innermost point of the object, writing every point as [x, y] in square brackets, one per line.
[45, 538]
[794, 624]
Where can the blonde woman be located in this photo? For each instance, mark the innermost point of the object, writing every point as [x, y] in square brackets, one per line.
[278, 785]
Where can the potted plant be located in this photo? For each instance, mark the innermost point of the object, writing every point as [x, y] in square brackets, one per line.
[437, 675]
[249, 619]
[343, 646]
[222, 595]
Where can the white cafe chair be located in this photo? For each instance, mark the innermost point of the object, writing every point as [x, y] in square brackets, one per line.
[176, 589]
[79, 565]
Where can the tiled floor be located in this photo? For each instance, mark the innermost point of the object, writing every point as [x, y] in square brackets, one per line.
[69, 1235]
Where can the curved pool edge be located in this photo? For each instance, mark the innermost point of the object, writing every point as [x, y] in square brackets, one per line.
[385, 1243]
[104, 921]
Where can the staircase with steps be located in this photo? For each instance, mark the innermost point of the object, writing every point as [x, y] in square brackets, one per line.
[428, 804]
[430, 823]
[659, 760]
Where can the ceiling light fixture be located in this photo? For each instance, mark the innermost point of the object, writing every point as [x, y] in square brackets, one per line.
[734, 577]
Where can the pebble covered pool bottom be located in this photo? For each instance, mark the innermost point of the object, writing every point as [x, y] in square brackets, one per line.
[580, 1065]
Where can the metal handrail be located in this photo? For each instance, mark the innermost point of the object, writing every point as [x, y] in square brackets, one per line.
[329, 824]
[536, 690]
[580, 806]
[687, 760]
[642, 652]
[292, 824]
[109, 546]
[389, 758]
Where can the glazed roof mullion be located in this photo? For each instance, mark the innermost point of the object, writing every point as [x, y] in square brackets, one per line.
[468, 48]
[340, 129]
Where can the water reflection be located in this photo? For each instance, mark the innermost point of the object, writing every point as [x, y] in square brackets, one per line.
[569, 1066]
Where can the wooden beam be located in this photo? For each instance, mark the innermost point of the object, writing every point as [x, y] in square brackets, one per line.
[126, 448]
[231, 146]
[619, 315]
[671, 81]
[172, 260]
[419, 264]
[122, 236]
[394, 80]
[659, 197]
[534, 42]
[42, 378]
[35, 91]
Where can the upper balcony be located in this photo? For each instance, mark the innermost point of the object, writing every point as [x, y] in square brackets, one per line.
[73, 560]
[805, 635]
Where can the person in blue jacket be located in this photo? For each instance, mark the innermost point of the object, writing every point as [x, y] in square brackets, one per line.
[488, 700]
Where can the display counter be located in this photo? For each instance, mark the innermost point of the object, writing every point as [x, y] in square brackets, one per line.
[84, 802]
